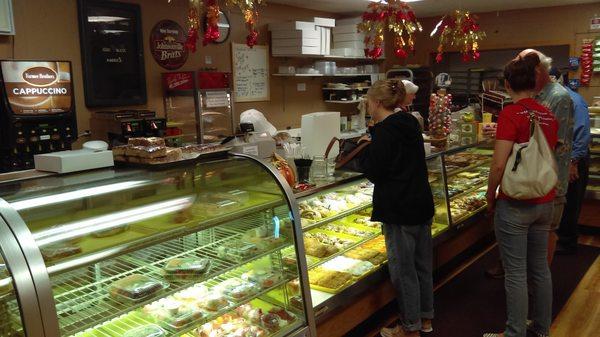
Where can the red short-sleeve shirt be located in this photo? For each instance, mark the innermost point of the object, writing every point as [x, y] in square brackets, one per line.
[513, 125]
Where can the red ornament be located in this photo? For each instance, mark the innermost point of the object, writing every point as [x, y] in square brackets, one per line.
[192, 38]
[401, 53]
[438, 58]
[476, 55]
[252, 39]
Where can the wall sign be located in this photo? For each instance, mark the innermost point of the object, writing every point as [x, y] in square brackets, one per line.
[250, 72]
[595, 23]
[167, 44]
[37, 88]
[112, 52]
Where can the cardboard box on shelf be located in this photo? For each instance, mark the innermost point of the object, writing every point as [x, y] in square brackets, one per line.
[302, 42]
[325, 40]
[348, 37]
[285, 51]
[350, 44]
[348, 52]
[296, 34]
[324, 22]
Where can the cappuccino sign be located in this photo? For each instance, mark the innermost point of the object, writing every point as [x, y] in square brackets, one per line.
[37, 87]
[167, 43]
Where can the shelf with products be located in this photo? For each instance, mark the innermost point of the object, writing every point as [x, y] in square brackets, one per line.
[222, 256]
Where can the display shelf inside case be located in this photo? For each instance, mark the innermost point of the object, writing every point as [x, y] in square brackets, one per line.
[228, 227]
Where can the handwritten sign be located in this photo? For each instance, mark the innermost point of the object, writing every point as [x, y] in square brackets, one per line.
[250, 72]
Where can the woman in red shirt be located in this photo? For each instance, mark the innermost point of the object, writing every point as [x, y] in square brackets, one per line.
[522, 226]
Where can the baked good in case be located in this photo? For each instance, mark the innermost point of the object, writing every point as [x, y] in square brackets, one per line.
[110, 232]
[264, 278]
[119, 150]
[237, 290]
[315, 248]
[237, 251]
[135, 287]
[214, 302]
[187, 267]
[59, 251]
[328, 278]
[146, 141]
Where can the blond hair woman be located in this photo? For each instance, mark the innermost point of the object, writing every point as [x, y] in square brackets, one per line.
[402, 201]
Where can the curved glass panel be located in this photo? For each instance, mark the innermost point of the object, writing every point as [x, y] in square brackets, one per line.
[11, 324]
[174, 251]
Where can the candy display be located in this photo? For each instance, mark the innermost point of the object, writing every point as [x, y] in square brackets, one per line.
[135, 287]
[439, 115]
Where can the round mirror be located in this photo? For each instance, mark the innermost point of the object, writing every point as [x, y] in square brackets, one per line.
[224, 27]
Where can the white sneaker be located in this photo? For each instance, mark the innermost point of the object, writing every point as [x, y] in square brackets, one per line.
[391, 332]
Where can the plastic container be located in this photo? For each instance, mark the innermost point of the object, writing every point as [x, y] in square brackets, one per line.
[183, 320]
[186, 268]
[237, 290]
[150, 330]
[264, 278]
[136, 288]
[237, 251]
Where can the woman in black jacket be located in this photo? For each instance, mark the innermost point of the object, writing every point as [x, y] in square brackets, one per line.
[402, 201]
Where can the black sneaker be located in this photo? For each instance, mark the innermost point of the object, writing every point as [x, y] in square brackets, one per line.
[532, 332]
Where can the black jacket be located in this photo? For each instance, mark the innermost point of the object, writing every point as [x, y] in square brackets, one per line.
[395, 163]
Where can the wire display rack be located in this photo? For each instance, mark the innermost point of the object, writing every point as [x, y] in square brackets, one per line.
[82, 298]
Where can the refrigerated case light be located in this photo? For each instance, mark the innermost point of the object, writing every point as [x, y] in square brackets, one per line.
[102, 223]
[74, 195]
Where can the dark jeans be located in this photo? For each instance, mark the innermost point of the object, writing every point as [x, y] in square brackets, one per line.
[522, 234]
[567, 232]
[410, 255]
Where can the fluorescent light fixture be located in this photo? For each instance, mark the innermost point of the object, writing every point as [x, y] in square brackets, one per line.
[402, 0]
[106, 222]
[74, 195]
[105, 18]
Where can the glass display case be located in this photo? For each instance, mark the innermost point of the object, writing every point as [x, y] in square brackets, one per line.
[210, 249]
[197, 110]
[593, 188]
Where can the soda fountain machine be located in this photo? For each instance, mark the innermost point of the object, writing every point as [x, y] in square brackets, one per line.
[37, 111]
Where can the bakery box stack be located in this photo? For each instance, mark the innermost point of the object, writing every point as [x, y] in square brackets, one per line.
[302, 37]
[347, 41]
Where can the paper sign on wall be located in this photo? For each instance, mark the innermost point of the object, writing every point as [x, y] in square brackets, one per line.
[217, 99]
[595, 23]
[250, 72]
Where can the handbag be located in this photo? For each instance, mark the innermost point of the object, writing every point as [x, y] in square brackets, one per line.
[531, 170]
[349, 156]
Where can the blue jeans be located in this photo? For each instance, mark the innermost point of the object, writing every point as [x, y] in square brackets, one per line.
[409, 250]
[522, 234]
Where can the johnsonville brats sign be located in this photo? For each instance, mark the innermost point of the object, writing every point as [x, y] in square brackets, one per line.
[37, 87]
[167, 43]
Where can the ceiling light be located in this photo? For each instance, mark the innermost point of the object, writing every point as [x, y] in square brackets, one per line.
[402, 0]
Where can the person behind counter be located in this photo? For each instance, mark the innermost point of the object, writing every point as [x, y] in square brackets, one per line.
[411, 92]
[522, 226]
[403, 202]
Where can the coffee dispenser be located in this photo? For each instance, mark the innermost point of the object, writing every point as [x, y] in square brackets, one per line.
[37, 111]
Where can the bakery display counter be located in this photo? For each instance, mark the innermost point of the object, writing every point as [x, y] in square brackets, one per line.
[593, 188]
[210, 249]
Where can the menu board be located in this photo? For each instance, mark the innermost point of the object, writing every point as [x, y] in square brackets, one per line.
[37, 87]
[250, 72]
[112, 53]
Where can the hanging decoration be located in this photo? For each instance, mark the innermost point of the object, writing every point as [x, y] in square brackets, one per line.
[212, 22]
[395, 16]
[249, 9]
[193, 25]
[459, 29]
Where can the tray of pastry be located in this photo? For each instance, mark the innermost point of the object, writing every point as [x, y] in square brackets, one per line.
[371, 255]
[151, 153]
[329, 281]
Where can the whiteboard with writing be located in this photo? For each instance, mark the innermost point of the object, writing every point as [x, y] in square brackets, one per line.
[250, 72]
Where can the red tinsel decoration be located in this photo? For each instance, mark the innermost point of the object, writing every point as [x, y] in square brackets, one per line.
[212, 19]
[249, 9]
[193, 26]
[395, 16]
[459, 29]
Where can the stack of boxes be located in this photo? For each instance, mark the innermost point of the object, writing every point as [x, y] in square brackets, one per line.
[347, 41]
[302, 37]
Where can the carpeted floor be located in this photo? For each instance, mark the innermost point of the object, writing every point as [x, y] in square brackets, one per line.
[471, 304]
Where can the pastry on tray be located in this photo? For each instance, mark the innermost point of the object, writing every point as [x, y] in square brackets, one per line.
[263, 277]
[328, 278]
[236, 289]
[120, 150]
[174, 313]
[367, 254]
[214, 302]
[59, 250]
[143, 141]
[315, 248]
[349, 265]
[135, 287]
[186, 268]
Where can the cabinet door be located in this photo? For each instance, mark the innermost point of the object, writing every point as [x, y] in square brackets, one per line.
[7, 26]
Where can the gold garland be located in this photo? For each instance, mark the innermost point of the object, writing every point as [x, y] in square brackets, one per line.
[459, 29]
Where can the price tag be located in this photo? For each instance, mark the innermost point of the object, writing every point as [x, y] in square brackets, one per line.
[276, 227]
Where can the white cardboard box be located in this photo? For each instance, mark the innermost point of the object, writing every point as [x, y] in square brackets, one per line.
[73, 161]
[348, 37]
[325, 40]
[292, 25]
[302, 42]
[297, 51]
[348, 52]
[350, 44]
[296, 34]
[325, 22]
[345, 29]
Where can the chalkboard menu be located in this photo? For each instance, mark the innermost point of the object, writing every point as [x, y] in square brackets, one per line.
[250, 72]
[112, 53]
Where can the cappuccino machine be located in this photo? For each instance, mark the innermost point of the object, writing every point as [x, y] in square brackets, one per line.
[37, 111]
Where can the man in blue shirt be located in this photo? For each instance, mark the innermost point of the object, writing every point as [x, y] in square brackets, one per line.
[578, 171]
